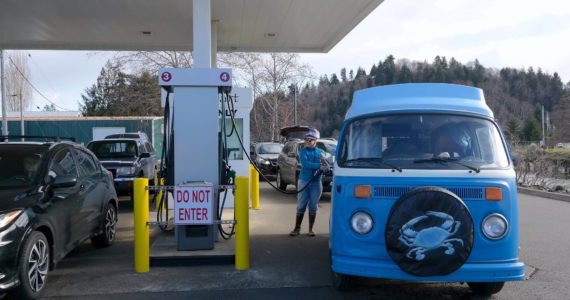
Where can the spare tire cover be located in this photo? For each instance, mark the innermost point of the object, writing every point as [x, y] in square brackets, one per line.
[429, 232]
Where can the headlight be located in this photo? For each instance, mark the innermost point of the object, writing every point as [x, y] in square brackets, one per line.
[7, 218]
[126, 170]
[361, 222]
[495, 226]
[263, 161]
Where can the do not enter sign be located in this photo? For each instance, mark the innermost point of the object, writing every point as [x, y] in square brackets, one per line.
[193, 204]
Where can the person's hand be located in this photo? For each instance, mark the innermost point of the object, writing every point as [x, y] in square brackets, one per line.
[325, 169]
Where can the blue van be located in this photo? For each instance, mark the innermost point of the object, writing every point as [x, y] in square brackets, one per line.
[424, 190]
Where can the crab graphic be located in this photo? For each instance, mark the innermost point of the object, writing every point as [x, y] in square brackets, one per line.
[430, 238]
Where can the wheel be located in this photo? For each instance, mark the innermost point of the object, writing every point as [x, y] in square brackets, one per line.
[280, 184]
[342, 282]
[33, 266]
[107, 237]
[486, 288]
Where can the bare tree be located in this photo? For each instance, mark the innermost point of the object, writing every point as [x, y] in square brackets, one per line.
[269, 76]
[17, 87]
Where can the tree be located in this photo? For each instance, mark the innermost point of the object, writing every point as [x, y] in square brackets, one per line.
[513, 131]
[17, 87]
[105, 97]
[49, 107]
[560, 117]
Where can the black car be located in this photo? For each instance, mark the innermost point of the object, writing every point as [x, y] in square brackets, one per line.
[265, 157]
[53, 197]
[289, 165]
[126, 158]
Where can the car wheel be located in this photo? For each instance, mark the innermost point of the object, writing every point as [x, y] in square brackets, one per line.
[486, 288]
[107, 237]
[33, 265]
[342, 282]
[280, 184]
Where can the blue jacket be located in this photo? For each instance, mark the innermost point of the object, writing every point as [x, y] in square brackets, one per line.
[310, 162]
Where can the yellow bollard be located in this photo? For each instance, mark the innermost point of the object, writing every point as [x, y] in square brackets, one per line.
[142, 232]
[242, 226]
[254, 189]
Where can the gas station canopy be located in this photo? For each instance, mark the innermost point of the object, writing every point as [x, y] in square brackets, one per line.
[242, 25]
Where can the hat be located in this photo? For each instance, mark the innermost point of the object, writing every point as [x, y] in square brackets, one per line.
[312, 134]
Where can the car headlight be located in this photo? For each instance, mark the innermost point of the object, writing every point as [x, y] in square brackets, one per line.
[495, 226]
[263, 161]
[7, 218]
[126, 170]
[361, 222]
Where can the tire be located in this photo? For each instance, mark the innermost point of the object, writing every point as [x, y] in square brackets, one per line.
[341, 282]
[34, 259]
[280, 184]
[429, 232]
[107, 237]
[486, 288]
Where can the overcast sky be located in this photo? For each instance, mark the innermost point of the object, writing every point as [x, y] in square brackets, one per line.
[500, 33]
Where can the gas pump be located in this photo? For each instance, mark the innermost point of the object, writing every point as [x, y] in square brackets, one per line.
[197, 165]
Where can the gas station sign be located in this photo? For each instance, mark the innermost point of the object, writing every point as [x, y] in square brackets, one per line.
[194, 204]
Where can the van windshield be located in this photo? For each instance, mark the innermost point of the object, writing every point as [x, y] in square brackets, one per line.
[423, 141]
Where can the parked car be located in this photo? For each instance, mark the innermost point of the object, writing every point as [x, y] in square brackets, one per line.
[265, 156]
[288, 163]
[53, 197]
[129, 135]
[294, 132]
[126, 158]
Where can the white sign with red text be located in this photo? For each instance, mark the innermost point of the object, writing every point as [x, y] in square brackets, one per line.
[194, 204]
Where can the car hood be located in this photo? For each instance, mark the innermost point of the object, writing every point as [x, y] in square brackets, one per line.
[268, 156]
[18, 198]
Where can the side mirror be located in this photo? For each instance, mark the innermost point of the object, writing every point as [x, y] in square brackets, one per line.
[145, 155]
[64, 181]
[291, 154]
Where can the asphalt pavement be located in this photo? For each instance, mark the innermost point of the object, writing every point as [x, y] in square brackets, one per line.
[284, 267]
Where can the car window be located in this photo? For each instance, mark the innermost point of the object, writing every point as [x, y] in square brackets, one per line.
[149, 147]
[62, 164]
[20, 164]
[87, 166]
[113, 149]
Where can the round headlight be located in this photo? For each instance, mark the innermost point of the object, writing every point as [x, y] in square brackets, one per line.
[495, 226]
[361, 222]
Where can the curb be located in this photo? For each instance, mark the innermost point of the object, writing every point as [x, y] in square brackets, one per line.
[544, 194]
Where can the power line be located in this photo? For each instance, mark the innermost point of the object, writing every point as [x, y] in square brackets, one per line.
[33, 87]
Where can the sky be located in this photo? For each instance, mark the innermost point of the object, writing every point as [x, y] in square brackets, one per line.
[504, 33]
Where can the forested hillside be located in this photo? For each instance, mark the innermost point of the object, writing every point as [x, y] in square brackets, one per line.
[515, 95]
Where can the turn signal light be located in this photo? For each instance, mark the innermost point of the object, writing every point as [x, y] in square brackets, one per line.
[493, 194]
[362, 191]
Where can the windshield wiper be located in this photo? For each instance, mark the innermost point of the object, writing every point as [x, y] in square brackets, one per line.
[447, 159]
[376, 160]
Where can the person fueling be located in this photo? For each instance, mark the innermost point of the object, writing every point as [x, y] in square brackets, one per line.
[309, 183]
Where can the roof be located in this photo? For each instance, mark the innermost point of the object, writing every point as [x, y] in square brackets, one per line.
[246, 25]
[425, 97]
[79, 118]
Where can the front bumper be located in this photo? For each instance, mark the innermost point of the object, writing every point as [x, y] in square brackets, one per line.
[469, 272]
[10, 240]
[267, 169]
[124, 184]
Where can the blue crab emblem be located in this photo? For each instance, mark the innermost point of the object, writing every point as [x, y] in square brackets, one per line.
[430, 238]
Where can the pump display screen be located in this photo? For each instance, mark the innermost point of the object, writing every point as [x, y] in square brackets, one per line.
[235, 152]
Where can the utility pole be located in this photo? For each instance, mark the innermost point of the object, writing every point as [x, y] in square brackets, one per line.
[543, 135]
[295, 103]
[2, 93]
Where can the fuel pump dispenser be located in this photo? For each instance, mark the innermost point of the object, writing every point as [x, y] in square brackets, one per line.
[197, 167]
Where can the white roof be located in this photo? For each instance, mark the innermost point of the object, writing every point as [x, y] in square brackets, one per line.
[243, 25]
[419, 97]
